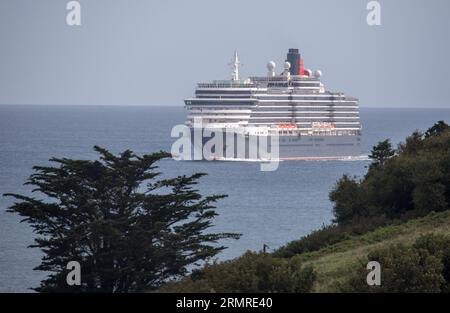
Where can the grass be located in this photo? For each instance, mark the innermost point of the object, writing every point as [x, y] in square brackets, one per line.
[335, 262]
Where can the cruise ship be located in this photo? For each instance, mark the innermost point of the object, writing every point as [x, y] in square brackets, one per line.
[292, 105]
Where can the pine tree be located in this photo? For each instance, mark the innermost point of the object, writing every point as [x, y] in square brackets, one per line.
[129, 230]
[381, 152]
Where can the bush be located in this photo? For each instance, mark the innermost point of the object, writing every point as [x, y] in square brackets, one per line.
[439, 246]
[252, 272]
[404, 269]
[433, 243]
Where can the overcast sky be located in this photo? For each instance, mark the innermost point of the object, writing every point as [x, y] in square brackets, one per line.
[153, 52]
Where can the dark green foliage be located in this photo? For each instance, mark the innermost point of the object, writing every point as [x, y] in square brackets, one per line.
[412, 144]
[412, 182]
[435, 244]
[424, 267]
[437, 129]
[347, 198]
[252, 272]
[438, 246]
[129, 231]
[382, 152]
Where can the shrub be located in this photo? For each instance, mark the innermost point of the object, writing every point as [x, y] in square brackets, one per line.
[439, 246]
[435, 244]
[403, 269]
[252, 272]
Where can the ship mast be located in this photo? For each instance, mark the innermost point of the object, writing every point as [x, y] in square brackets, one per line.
[235, 64]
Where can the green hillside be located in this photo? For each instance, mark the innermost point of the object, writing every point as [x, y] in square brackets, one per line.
[336, 262]
[327, 269]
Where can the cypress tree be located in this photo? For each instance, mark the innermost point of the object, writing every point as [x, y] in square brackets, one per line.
[129, 230]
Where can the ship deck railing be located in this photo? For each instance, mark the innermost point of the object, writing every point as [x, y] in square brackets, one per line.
[227, 84]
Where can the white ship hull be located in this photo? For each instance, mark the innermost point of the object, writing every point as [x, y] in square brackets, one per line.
[306, 147]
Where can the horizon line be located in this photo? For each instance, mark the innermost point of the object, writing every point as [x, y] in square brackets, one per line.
[182, 106]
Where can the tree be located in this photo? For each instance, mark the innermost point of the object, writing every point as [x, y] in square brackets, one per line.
[438, 128]
[412, 144]
[129, 231]
[346, 196]
[413, 183]
[381, 152]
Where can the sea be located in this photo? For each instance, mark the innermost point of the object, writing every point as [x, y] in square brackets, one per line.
[267, 208]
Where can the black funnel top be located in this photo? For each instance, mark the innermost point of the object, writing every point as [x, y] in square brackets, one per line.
[293, 57]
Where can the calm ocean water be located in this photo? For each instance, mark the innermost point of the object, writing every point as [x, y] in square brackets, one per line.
[266, 207]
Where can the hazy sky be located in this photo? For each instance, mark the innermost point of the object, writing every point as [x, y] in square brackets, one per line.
[153, 52]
